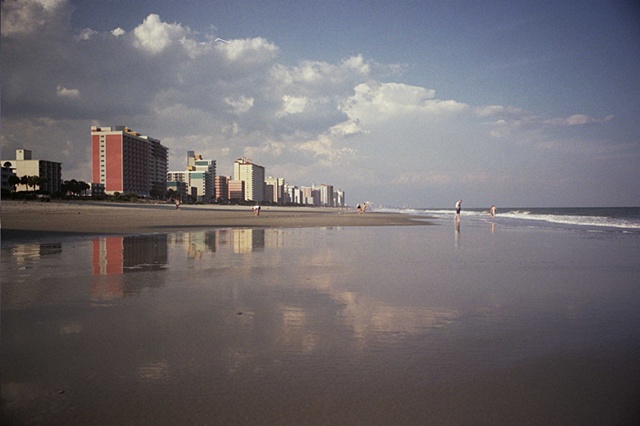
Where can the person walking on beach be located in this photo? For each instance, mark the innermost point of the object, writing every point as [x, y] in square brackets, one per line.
[492, 211]
[177, 204]
[456, 218]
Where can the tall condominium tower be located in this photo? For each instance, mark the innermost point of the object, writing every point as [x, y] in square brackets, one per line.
[274, 190]
[253, 177]
[128, 162]
[199, 177]
[205, 171]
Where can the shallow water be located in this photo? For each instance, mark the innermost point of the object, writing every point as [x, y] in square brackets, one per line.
[384, 325]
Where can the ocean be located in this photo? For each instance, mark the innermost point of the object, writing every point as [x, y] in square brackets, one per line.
[588, 219]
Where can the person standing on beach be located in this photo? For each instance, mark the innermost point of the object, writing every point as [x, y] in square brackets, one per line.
[458, 207]
[492, 211]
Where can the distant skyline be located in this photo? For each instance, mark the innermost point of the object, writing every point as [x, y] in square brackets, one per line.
[532, 103]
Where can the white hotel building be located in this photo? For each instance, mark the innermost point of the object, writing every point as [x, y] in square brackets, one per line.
[253, 177]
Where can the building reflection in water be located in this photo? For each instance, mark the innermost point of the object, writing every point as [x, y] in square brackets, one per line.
[114, 256]
[24, 254]
[195, 243]
[113, 259]
[248, 240]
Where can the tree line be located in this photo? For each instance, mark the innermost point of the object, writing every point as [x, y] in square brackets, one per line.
[68, 187]
[28, 181]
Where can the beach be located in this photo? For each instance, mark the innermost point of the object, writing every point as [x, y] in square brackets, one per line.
[33, 220]
[192, 322]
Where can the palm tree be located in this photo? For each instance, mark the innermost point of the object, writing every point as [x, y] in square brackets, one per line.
[33, 181]
[83, 187]
[13, 181]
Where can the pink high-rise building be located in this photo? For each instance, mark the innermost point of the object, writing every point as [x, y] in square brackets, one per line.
[128, 162]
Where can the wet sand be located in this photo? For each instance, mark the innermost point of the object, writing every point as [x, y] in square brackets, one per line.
[323, 326]
[35, 220]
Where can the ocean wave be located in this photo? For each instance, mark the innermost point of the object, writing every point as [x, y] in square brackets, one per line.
[618, 218]
[581, 220]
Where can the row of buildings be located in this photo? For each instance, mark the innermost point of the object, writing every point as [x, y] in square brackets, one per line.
[125, 161]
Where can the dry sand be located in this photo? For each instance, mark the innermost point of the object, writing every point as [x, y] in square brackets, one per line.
[32, 220]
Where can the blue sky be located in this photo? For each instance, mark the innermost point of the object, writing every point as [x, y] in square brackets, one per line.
[399, 103]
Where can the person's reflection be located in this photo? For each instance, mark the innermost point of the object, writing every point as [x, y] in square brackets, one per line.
[457, 234]
[492, 227]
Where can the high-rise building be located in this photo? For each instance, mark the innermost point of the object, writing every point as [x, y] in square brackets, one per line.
[310, 195]
[326, 195]
[274, 190]
[49, 172]
[199, 177]
[128, 162]
[253, 177]
[293, 194]
[236, 190]
[339, 198]
[222, 187]
[205, 173]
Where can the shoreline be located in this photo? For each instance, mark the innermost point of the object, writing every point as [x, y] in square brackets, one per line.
[34, 220]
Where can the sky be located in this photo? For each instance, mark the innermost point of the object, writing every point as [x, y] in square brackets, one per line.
[403, 104]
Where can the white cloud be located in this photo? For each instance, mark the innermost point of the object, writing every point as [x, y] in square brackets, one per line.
[324, 150]
[292, 105]
[578, 120]
[347, 119]
[373, 102]
[67, 93]
[249, 51]
[154, 36]
[240, 104]
[118, 32]
[86, 34]
[20, 17]
[347, 128]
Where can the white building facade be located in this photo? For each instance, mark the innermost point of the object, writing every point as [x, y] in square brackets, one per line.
[50, 172]
[253, 177]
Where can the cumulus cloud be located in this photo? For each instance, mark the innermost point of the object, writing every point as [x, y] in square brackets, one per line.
[375, 101]
[292, 105]
[249, 51]
[22, 17]
[86, 34]
[324, 149]
[154, 36]
[347, 118]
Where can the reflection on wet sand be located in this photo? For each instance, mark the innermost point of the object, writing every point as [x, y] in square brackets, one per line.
[114, 256]
[296, 326]
[111, 257]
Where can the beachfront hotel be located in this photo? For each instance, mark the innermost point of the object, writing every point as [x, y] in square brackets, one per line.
[50, 172]
[199, 177]
[274, 190]
[253, 177]
[128, 162]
